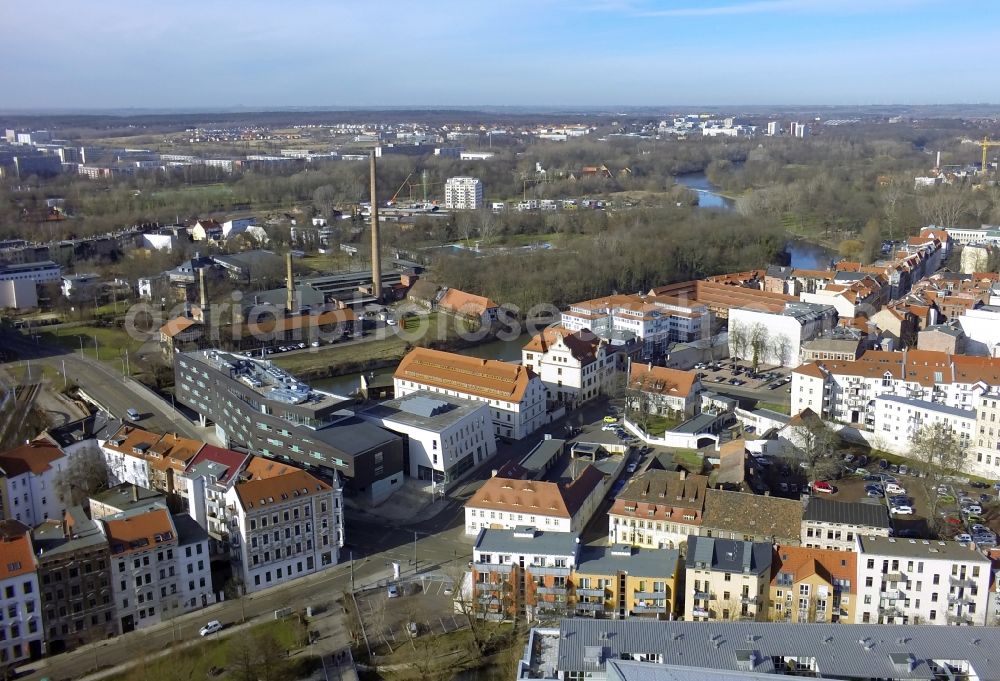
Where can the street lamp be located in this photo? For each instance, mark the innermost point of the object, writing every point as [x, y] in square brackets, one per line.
[97, 350]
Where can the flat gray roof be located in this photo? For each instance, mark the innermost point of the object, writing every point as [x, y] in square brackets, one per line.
[840, 651]
[607, 560]
[931, 406]
[353, 435]
[922, 548]
[542, 543]
[424, 409]
[539, 457]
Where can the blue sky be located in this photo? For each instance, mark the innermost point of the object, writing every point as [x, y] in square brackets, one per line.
[260, 53]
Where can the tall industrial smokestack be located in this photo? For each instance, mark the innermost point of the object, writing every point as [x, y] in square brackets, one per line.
[376, 245]
[938, 164]
[203, 296]
[289, 284]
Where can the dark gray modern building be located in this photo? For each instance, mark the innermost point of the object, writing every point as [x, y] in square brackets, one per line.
[256, 405]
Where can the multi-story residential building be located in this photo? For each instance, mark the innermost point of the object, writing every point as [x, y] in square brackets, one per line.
[284, 523]
[74, 575]
[444, 437]
[986, 440]
[463, 193]
[123, 498]
[811, 585]
[45, 272]
[652, 650]
[921, 581]
[516, 395]
[28, 475]
[659, 390]
[654, 320]
[624, 581]
[194, 583]
[209, 475]
[751, 517]
[658, 509]
[726, 579]
[835, 525]
[575, 366]
[21, 632]
[898, 419]
[259, 407]
[775, 338]
[507, 502]
[522, 572]
[148, 459]
[851, 295]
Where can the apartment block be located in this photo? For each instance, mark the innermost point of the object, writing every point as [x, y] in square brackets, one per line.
[284, 524]
[726, 579]
[811, 585]
[21, 624]
[921, 581]
[463, 193]
[658, 509]
[28, 475]
[515, 394]
[836, 525]
[623, 581]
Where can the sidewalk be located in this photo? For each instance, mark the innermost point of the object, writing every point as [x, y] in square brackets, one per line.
[413, 503]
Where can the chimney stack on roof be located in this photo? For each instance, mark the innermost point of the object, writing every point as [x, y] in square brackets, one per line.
[376, 243]
[203, 294]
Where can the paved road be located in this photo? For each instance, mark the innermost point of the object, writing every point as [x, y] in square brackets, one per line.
[105, 385]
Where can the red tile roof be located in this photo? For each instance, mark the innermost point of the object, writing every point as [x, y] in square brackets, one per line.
[140, 531]
[17, 557]
[34, 457]
[263, 492]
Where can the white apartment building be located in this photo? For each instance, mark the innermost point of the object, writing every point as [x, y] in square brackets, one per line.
[988, 234]
[144, 565]
[981, 327]
[898, 419]
[658, 509]
[846, 391]
[444, 436]
[284, 527]
[575, 366]
[986, 439]
[27, 482]
[515, 394]
[20, 603]
[836, 525]
[776, 338]
[463, 193]
[921, 581]
[203, 486]
[655, 321]
[45, 272]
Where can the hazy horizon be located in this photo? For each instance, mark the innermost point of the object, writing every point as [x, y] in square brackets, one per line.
[252, 55]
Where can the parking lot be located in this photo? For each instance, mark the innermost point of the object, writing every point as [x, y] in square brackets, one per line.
[426, 603]
[739, 375]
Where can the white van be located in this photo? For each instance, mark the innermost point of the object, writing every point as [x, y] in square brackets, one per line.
[133, 414]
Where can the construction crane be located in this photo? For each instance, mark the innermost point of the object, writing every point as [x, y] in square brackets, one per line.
[408, 184]
[986, 144]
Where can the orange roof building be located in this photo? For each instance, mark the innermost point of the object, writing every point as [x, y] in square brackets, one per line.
[39, 460]
[813, 585]
[515, 393]
[468, 305]
[575, 366]
[665, 389]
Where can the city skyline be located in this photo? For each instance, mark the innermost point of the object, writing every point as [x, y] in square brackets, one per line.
[555, 53]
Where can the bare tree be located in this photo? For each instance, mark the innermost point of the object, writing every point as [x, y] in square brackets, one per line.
[780, 348]
[890, 198]
[943, 206]
[489, 225]
[758, 340]
[939, 453]
[739, 340]
[86, 473]
[815, 446]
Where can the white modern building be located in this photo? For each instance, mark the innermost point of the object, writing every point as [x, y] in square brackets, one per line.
[988, 234]
[79, 286]
[898, 419]
[463, 193]
[28, 482]
[18, 295]
[515, 394]
[45, 272]
[284, 527]
[20, 603]
[776, 338]
[444, 436]
[575, 366]
[921, 581]
[981, 327]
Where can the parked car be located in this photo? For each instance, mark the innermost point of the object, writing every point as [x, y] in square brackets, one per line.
[862, 460]
[609, 427]
[823, 487]
[903, 470]
[413, 629]
[874, 494]
[632, 467]
[883, 464]
[963, 538]
[972, 509]
[873, 478]
[901, 510]
[848, 457]
[133, 414]
[611, 419]
[893, 488]
[392, 591]
[210, 628]
[979, 485]
[875, 488]
[985, 498]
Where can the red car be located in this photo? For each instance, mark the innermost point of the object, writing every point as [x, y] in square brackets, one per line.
[824, 487]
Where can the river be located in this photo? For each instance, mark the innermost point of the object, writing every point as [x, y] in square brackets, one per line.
[804, 254]
[509, 350]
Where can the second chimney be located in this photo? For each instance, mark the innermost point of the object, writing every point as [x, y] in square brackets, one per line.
[289, 284]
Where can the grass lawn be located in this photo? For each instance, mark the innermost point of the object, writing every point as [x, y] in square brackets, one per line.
[196, 661]
[111, 340]
[775, 406]
[691, 459]
[658, 425]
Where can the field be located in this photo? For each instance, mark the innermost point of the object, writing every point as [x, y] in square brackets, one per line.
[112, 341]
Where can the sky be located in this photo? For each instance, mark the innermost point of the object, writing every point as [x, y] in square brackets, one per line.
[58, 54]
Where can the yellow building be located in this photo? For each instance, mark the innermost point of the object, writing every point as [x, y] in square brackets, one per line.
[813, 585]
[622, 581]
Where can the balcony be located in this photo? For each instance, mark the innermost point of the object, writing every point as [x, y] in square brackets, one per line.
[962, 583]
[490, 586]
[649, 609]
[539, 570]
[702, 596]
[961, 598]
[962, 619]
[894, 577]
[749, 600]
[553, 590]
[890, 611]
[650, 595]
[502, 568]
[589, 607]
[599, 593]
[700, 612]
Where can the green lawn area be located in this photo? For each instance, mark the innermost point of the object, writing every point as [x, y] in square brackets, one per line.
[691, 459]
[658, 425]
[775, 406]
[195, 662]
[112, 341]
